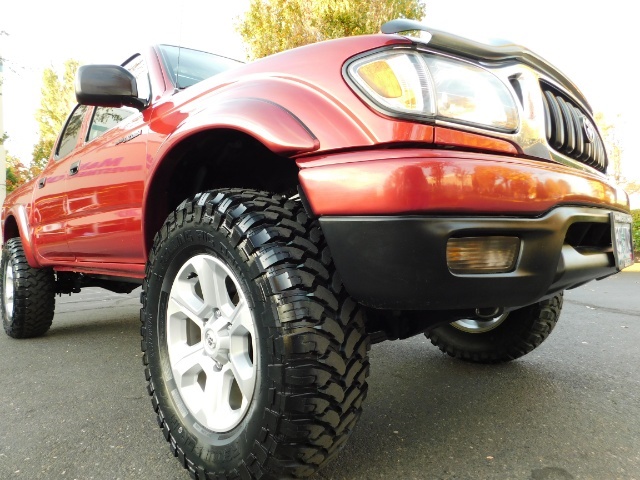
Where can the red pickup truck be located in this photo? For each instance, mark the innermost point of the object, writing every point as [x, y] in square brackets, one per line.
[284, 214]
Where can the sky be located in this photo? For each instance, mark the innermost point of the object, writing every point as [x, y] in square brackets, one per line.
[592, 42]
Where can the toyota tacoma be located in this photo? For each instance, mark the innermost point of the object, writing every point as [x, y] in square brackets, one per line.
[283, 215]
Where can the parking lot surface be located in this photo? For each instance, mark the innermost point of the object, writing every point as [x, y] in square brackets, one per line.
[73, 404]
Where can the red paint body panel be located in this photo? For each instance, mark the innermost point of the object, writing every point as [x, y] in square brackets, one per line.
[48, 214]
[19, 212]
[321, 102]
[104, 219]
[50, 208]
[393, 182]
[456, 138]
[278, 129]
[353, 160]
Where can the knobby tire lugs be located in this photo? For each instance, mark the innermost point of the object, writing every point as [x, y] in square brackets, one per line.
[316, 349]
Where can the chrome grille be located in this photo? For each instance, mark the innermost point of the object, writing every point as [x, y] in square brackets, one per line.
[570, 131]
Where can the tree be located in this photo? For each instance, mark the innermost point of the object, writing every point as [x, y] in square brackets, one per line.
[271, 26]
[16, 172]
[57, 100]
[615, 153]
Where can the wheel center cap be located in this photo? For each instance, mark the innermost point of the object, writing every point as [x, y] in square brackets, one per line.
[217, 344]
[210, 340]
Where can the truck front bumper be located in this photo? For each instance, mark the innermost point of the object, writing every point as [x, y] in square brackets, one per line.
[401, 262]
[388, 216]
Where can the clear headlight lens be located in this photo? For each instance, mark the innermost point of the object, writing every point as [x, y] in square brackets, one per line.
[427, 85]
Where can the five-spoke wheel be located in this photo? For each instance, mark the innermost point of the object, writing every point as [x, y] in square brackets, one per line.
[210, 339]
[256, 357]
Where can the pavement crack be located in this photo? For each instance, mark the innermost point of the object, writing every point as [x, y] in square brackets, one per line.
[631, 313]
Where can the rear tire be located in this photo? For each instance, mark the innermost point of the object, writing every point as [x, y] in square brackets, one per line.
[256, 357]
[28, 294]
[501, 339]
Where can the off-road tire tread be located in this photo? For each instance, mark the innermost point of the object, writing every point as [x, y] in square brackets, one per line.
[318, 382]
[538, 320]
[34, 295]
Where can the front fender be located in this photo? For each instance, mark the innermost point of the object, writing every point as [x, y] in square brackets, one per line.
[271, 124]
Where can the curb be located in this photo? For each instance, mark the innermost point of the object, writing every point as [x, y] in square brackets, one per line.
[635, 268]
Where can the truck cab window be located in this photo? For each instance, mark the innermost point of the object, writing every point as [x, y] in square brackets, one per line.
[69, 137]
[138, 67]
[105, 118]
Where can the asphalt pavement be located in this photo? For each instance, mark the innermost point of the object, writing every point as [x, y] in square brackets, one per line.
[73, 403]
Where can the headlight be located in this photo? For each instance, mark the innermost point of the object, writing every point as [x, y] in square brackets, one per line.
[408, 82]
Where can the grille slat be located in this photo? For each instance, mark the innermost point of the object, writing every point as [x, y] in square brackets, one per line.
[577, 125]
[557, 125]
[569, 144]
[566, 132]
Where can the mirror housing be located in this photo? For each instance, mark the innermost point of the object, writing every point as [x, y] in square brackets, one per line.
[107, 86]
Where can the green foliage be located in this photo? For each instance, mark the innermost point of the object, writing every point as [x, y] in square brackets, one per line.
[57, 100]
[41, 153]
[636, 232]
[12, 180]
[3, 138]
[16, 173]
[271, 26]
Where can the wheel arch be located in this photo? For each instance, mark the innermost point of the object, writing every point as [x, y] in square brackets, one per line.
[214, 157]
[15, 225]
[11, 229]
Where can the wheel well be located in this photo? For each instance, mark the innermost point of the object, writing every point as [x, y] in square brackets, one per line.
[10, 228]
[214, 159]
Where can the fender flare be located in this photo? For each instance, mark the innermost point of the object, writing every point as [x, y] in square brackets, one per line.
[19, 214]
[277, 128]
[271, 124]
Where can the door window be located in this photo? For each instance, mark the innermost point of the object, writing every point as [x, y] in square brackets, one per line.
[105, 118]
[69, 137]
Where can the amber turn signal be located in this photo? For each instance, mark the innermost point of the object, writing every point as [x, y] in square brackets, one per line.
[380, 77]
[482, 255]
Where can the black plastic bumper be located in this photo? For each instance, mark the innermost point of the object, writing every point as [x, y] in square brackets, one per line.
[400, 262]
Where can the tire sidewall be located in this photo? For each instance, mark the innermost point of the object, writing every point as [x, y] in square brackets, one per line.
[498, 339]
[215, 450]
[7, 259]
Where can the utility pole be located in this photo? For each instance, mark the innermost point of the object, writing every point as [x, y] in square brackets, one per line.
[3, 157]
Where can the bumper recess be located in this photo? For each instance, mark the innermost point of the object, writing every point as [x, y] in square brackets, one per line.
[399, 262]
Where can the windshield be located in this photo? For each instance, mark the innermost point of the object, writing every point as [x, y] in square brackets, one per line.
[187, 67]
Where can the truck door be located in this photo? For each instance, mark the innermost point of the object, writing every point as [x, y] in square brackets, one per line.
[50, 207]
[105, 194]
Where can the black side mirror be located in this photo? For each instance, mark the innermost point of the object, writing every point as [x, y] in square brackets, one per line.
[107, 86]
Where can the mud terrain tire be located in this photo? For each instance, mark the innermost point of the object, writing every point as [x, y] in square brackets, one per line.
[254, 274]
[499, 340]
[28, 294]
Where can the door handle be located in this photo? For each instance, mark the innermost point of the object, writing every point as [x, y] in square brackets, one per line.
[74, 168]
[41, 182]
